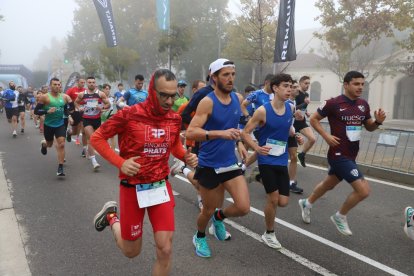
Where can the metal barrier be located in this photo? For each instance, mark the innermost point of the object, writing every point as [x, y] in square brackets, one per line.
[383, 148]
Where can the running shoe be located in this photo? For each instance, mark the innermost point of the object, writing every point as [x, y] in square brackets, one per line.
[409, 222]
[218, 229]
[301, 157]
[254, 175]
[43, 147]
[341, 224]
[211, 231]
[95, 165]
[68, 136]
[60, 171]
[14, 134]
[83, 154]
[201, 247]
[177, 167]
[77, 142]
[22, 131]
[305, 210]
[100, 220]
[294, 188]
[271, 241]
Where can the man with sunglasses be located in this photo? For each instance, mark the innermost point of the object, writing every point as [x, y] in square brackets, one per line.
[147, 133]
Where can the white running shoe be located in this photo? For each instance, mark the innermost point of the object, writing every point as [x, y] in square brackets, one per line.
[305, 211]
[271, 241]
[341, 224]
[95, 165]
[177, 167]
[409, 222]
[211, 231]
[14, 133]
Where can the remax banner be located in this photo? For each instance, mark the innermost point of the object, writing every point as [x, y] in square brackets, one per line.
[163, 14]
[285, 48]
[104, 9]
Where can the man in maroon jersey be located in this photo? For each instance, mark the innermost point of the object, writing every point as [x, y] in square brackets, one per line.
[73, 93]
[346, 115]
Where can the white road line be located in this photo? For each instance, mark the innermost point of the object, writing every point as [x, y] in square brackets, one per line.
[331, 244]
[303, 261]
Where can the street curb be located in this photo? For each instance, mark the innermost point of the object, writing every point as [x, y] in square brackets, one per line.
[376, 172]
[13, 257]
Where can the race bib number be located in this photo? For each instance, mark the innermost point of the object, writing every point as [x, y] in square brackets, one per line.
[91, 104]
[152, 194]
[277, 147]
[233, 167]
[353, 133]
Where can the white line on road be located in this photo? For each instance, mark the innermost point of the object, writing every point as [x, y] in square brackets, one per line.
[331, 244]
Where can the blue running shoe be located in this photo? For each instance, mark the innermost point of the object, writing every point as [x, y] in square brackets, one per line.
[201, 247]
[219, 229]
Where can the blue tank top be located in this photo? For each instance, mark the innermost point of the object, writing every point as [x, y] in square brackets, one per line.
[218, 153]
[276, 128]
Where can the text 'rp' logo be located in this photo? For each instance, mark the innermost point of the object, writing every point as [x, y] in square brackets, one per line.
[157, 133]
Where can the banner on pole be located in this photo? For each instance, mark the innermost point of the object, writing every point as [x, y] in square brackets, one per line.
[285, 48]
[163, 14]
[104, 9]
[71, 81]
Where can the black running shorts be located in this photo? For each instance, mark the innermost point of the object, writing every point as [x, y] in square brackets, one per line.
[10, 112]
[275, 178]
[95, 123]
[209, 179]
[51, 132]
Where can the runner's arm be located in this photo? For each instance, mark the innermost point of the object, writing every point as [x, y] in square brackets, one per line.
[258, 119]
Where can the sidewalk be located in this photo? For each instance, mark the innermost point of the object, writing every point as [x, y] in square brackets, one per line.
[13, 260]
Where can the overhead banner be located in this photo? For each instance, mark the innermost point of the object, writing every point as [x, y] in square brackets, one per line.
[163, 14]
[285, 48]
[104, 9]
[71, 81]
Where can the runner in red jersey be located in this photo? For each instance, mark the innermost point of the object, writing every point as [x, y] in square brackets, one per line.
[73, 93]
[147, 133]
[346, 115]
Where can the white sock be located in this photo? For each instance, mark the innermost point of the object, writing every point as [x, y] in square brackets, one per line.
[198, 197]
[339, 215]
[186, 171]
[292, 182]
[92, 158]
[308, 204]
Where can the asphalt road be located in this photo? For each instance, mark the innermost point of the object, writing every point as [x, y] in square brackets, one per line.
[55, 222]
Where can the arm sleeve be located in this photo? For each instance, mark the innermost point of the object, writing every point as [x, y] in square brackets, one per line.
[39, 109]
[99, 140]
[177, 149]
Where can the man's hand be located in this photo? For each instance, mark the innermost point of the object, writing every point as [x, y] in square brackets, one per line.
[130, 167]
[333, 141]
[379, 115]
[190, 158]
[299, 139]
[231, 134]
[263, 150]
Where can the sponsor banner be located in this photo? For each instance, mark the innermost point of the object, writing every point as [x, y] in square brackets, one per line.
[71, 81]
[104, 9]
[285, 48]
[163, 14]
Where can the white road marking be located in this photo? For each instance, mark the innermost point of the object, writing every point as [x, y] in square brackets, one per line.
[330, 244]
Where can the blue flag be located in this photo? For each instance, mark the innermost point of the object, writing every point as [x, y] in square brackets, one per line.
[163, 14]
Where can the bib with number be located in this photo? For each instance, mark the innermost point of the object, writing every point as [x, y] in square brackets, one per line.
[277, 147]
[152, 194]
[92, 104]
[233, 167]
[353, 133]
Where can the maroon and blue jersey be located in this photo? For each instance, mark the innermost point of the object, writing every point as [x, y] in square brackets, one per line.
[345, 117]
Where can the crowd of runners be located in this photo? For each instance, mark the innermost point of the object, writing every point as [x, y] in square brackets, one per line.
[214, 136]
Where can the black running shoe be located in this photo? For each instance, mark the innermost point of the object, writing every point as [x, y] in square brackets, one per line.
[22, 131]
[68, 136]
[258, 178]
[100, 221]
[301, 157]
[43, 148]
[83, 153]
[295, 189]
[60, 171]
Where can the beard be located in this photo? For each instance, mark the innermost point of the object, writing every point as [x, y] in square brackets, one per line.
[222, 88]
[12, 87]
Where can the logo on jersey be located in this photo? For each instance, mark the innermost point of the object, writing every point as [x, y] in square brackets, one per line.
[354, 172]
[362, 108]
[157, 133]
[135, 230]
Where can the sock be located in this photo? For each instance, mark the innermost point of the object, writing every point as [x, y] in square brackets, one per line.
[339, 215]
[201, 234]
[92, 158]
[60, 165]
[292, 182]
[112, 218]
[308, 204]
[186, 171]
[270, 231]
[199, 197]
[219, 215]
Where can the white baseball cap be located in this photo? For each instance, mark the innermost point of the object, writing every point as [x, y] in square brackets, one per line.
[219, 64]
